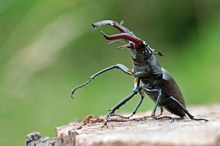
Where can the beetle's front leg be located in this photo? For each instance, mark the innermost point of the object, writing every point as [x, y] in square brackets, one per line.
[117, 66]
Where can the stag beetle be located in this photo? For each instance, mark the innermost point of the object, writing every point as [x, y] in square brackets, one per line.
[149, 76]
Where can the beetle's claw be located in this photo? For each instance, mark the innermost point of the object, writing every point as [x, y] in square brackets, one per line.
[74, 90]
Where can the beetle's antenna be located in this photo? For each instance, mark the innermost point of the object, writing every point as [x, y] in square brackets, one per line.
[158, 53]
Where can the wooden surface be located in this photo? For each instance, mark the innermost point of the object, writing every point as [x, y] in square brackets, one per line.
[139, 131]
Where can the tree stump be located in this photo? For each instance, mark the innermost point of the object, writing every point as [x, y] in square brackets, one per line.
[140, 130]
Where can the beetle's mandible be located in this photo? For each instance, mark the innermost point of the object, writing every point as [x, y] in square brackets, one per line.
[149, 76]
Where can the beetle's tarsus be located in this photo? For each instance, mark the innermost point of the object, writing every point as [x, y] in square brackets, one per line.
[164, 117]
[198, 119]
[105, 124]
[73, 91]
[124, 117]
[161, 112]
[80, 86]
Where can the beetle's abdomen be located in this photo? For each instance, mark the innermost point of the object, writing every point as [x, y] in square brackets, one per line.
[170, 88]
[174, 109]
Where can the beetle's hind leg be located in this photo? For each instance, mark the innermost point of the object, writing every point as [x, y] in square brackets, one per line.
[180, 106]
[185, 110]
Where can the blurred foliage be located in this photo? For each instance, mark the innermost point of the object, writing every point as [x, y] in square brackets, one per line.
[48, 47]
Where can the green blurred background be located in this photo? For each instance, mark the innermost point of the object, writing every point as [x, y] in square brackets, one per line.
[47, 47]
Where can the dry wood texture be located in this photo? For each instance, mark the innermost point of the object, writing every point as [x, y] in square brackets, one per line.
[138, 131]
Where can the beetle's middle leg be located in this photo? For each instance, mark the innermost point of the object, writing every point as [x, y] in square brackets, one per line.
[157, 103]
[155, 108]
[139, 103]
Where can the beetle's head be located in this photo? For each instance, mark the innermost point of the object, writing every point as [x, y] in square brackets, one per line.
[137, 46]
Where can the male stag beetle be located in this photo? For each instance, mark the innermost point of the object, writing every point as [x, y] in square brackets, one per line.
[149, 76]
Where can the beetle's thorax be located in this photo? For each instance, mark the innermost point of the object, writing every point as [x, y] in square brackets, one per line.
[146, 65]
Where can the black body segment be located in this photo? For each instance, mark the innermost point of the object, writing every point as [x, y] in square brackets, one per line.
[150, 77]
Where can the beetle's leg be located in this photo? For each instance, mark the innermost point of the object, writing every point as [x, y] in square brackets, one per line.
[137, 106]
[161, 112]
[112, 110]
[157, 104]
[155, 108]
[139, 103]
[118, 66]
[135, 91]
[147, 90]
[185, 110]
